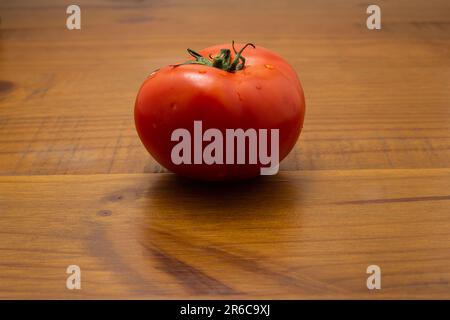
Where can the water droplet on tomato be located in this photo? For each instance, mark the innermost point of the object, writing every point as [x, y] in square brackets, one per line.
[269, 66]
[174, 106]
[153, 74]
[258, 87]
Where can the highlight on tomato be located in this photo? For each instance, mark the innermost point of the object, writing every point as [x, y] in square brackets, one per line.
[229, 112]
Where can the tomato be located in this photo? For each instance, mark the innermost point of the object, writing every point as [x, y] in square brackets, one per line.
[224, 89]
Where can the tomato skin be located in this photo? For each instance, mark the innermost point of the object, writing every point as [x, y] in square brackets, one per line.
[266, 94]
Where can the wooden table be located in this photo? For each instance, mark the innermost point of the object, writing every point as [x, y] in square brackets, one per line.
[368, 182]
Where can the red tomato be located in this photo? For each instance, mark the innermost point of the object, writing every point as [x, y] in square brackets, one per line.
[260, 92]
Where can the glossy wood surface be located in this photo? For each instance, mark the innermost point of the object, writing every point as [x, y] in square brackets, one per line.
[367, 183]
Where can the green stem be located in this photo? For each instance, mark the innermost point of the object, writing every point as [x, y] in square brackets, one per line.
[222, 60]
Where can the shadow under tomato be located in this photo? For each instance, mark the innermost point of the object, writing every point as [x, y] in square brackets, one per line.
[259, 198]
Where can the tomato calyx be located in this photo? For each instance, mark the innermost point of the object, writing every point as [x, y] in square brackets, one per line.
[222, 60]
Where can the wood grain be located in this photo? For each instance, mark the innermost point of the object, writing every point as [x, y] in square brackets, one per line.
[313, 237]
[367, 183]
